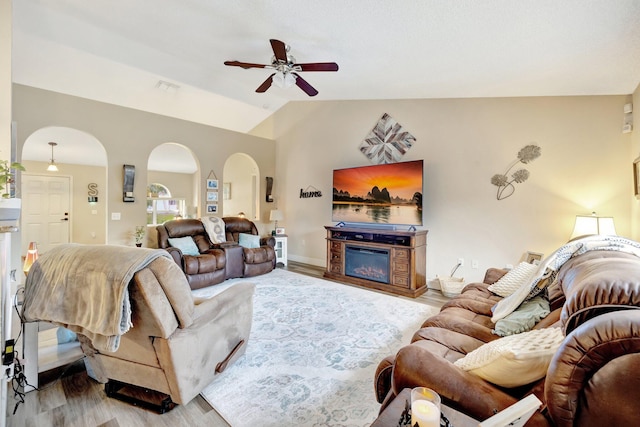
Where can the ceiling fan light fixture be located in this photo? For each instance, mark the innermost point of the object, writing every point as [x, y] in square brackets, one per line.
[285, 69]
[52, 164]
[284, 79]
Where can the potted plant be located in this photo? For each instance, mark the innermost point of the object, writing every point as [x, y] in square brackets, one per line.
[139, 234]
[6, 176]
[9, 206]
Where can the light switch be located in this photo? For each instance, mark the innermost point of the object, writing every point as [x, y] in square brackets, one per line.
[115, 216]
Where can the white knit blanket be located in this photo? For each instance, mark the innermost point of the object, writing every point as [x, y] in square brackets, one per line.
[85, 289]
[548, 269]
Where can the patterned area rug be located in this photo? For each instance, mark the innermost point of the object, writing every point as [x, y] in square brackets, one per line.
[312, 353]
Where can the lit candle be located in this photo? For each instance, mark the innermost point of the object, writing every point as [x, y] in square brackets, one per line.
[425, 413]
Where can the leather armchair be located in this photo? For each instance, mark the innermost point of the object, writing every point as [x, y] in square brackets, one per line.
[177, 345]
[256, 260]
[205, 269]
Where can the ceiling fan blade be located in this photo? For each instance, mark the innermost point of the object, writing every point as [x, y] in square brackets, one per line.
[318, 66]
[279, 50]
[266, 84]
[245, 65]
[302, 84]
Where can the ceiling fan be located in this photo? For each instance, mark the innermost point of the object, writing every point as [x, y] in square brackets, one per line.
[286, 69]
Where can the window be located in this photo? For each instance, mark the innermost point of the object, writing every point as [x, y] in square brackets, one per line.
[161, 206]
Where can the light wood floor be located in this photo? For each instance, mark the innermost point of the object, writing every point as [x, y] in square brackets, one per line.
[77, 400]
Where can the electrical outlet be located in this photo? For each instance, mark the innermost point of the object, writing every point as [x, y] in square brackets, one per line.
[461, 262]
[474, 263]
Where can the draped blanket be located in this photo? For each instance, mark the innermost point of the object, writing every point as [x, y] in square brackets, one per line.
[548, 270]
[85, 289]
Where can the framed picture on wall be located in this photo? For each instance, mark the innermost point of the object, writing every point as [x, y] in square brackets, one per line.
[636, 177]
[534, 257]
[226, 190]
[212, 196]
[212, 184]
[212, 208]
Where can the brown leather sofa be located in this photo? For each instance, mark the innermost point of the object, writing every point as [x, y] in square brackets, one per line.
[593, 378]
[205, 269]
[259, 260]
[217, 262]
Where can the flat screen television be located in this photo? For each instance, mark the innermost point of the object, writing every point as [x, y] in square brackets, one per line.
[379, 194]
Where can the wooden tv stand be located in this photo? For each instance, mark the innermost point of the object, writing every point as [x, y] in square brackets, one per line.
[407, 257]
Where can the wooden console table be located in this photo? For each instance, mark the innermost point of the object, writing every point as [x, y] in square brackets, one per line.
[407, 258]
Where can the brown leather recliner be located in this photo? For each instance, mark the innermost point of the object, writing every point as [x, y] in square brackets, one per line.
[205, 269]
[256, 260]
[594, 377]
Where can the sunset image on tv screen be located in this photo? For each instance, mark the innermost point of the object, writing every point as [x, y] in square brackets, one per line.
[389, 194]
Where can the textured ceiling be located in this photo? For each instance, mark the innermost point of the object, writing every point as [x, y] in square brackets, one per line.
[116, 51]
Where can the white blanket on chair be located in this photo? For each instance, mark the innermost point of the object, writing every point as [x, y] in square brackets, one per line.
[85, 289]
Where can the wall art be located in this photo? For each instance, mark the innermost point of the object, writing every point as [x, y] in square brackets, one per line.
[310, 192]
[387, 142]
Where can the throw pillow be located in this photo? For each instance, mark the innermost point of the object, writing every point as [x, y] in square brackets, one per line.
[514, 279]
[515, 360]
[64, 335]
[248, 241]
[524, 318]
[186, 245]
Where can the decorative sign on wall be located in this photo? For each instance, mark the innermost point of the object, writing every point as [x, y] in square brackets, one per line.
[92, 193]
[387, 142]
[129, 174]
[310, 192]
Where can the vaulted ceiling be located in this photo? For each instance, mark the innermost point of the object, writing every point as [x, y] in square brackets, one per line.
[117, 51]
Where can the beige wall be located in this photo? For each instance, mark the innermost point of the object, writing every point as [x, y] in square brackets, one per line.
[5, 79]
[584, 167]
[635, 153]
[129, 136]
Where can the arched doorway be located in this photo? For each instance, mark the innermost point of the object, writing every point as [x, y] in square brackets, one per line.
[241, 186]
[173, 184]
[56, 207]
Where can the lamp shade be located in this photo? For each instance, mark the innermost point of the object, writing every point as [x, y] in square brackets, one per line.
[32, 256]
[276, 215]
[592, 224]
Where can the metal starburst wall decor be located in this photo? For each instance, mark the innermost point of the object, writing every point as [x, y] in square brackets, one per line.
[504, 182]
[387, 142]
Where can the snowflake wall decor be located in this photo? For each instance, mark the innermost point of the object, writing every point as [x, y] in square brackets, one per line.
[387, 142]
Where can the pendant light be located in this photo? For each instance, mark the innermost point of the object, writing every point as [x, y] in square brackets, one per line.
[52, 165]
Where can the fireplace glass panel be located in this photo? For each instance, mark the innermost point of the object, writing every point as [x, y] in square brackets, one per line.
[367, 263]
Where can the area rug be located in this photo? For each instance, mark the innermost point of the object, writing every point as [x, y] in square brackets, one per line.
[312, 353]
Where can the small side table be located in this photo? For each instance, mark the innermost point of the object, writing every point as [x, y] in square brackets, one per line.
[391, 414]
[281, 249]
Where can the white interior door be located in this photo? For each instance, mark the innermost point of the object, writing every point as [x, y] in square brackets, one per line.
[45, 210]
